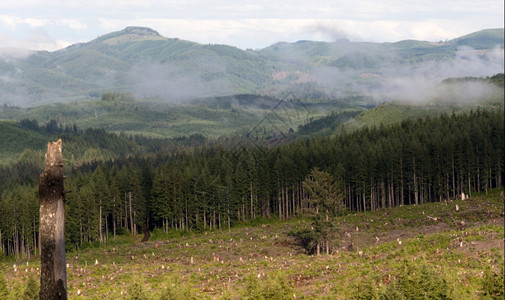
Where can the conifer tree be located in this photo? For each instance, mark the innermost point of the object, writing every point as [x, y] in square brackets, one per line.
[4, 290]
[327, 203]
[32, 289]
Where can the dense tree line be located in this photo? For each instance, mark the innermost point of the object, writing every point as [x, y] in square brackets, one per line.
[330, 121]
[83, 149]
[216, 186]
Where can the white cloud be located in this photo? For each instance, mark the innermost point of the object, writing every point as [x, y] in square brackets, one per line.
[431, 29]
[254, 24]
[13, 53]
[74, 24]
[421, 82]
[33, 40]
[35, 22]
[14, 21]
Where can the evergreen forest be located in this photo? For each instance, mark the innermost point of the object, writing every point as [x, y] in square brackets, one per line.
[192, 186]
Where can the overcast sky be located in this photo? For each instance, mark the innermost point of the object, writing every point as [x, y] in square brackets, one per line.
[54, 24]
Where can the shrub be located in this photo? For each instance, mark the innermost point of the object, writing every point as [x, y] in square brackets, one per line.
[366, 290]
[4, 291]
[32, 289]
[136, 292]
[253, 289]
[420, 281]
[275, 287]
[492, 284]
[391, 292]
[416, 281]
[17, 292]
[308, 238]
[178, 291]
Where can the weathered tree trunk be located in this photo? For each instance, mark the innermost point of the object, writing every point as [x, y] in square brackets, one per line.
[252, 207]
[132, 232]
[100, 223]
[113, 217]
[453, 178]
[145, 230]
[229, 220]
[364, 201]
[204, 220]
[125, 212]
[383, 195]
[53, 277]
[280, 206]
[293, 201]
[22, 242]
[34, 238]
[134, 222]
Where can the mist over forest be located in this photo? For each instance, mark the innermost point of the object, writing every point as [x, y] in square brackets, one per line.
[140, 61]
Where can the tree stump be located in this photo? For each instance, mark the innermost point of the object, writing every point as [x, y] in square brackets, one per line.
[147, 233]
[53, 276]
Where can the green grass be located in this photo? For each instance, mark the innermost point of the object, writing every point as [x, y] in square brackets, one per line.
[211, 117]
[19, 143]
[483, 39]
[261, 258]
[394, 112]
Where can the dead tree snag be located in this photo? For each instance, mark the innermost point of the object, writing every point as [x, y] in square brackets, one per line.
[53, 276]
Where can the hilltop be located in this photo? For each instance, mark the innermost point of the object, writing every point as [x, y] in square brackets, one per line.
[141, 61]
[129, 34]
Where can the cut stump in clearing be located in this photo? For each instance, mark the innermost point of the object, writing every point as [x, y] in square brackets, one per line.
[53, 276]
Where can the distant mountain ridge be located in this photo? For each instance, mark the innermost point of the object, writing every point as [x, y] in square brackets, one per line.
[141, 61]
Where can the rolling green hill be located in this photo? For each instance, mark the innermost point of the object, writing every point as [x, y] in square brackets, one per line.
[25, 142]
[123, 115]
[13, 146]
[362, 56]
[484, 39]
[489, 95]
[212, 117]
[141, 61]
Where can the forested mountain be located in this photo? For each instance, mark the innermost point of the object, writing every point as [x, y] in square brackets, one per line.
[140, 61]
[216, 186]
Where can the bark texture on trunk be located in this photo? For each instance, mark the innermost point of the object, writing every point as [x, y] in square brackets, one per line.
[53, 277]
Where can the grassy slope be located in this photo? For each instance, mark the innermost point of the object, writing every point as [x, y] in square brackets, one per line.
[21, 145]
[217, 118]
[221, 117]
[148, 118]
[458, 245]
[16, 139]
[393, 112]
[484, 39]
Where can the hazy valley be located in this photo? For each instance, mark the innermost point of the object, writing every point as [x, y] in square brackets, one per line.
[140, 61]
